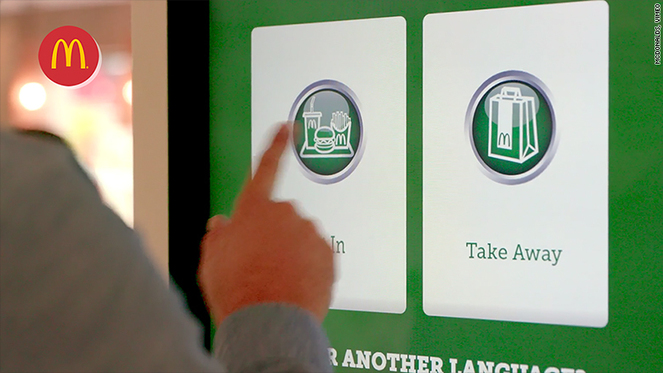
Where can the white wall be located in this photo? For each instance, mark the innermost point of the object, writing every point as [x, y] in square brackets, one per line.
[150, 126]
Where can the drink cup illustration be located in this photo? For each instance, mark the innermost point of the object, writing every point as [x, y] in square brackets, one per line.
[311, 124]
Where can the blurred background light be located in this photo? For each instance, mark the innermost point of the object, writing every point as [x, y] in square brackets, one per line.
[117, 63]
[126, 92]
[32, 96]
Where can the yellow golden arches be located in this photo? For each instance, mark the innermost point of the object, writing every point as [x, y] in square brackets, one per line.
[67, 53]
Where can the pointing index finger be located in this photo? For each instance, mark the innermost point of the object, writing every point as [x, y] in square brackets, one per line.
[263, 180]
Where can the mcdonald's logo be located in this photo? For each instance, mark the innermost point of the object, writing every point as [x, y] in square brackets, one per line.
[79, 62]
[504, 141]
[67, 53]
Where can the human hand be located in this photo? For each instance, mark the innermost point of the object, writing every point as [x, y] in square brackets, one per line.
[266, 252]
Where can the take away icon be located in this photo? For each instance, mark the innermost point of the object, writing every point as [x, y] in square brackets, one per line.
[511, 125]
[512, 129]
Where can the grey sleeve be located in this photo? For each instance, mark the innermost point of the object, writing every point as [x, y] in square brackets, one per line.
[272, 338]
[79, 294]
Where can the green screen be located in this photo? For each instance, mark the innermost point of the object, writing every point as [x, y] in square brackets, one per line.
[632, 340]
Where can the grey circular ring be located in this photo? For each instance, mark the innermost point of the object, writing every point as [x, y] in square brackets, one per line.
[349, 94]
[469, 118]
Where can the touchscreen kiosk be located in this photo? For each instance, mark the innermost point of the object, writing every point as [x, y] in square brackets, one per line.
[488, 173]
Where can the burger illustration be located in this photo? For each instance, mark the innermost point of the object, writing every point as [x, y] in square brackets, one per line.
[324, 140]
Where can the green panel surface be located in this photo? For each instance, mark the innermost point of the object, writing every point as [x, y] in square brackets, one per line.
[633, 339]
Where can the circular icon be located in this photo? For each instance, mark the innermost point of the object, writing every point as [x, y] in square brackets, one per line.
[511, 126]
[69, 57]
[328, 137]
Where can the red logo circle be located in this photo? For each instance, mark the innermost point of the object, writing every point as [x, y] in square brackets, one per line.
[69, 57]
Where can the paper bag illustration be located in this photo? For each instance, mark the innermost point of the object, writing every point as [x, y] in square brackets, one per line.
[512, 130]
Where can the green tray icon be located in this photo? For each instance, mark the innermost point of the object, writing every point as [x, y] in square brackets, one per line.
[326, 140]
[328, 134]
